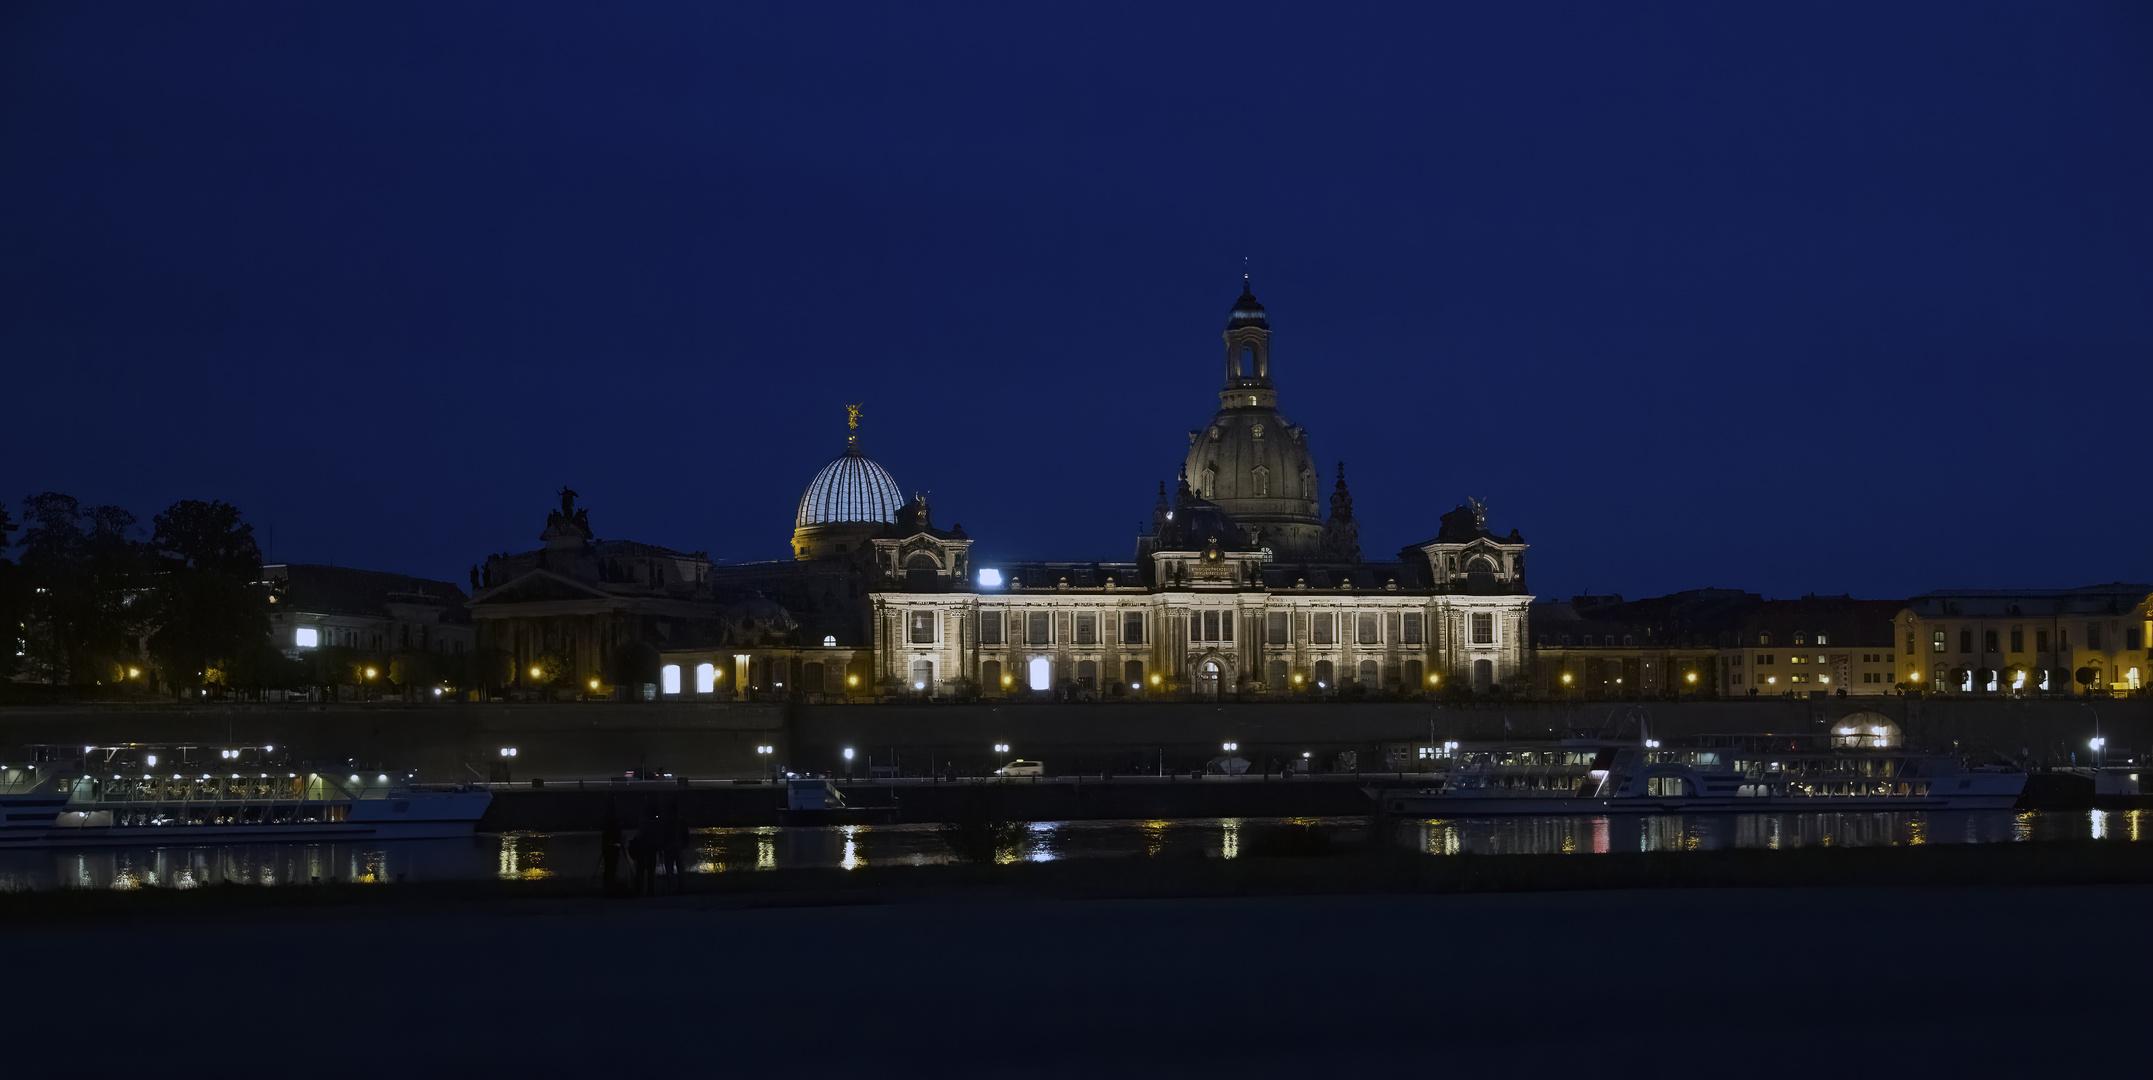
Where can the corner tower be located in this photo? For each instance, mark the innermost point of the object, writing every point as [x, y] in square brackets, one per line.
[1250, 460]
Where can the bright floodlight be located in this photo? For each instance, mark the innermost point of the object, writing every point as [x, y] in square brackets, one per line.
[848, 753]
[990, 579]
[307, 637]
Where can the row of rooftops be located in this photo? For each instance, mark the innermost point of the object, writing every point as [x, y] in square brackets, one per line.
[1723, 618]
[1275, 577]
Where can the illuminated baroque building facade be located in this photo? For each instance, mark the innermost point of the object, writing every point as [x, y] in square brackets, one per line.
[1240, 586]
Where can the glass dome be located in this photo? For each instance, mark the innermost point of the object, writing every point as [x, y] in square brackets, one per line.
[851, 489]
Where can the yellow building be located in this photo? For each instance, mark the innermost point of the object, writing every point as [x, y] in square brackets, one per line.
[2028, 641]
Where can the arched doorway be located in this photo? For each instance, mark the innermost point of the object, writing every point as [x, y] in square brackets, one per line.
[1207, 680]
[1865, 731]
[1483, 675]
[1042, 673]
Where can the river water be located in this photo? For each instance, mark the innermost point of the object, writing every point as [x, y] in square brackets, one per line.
[537, 856]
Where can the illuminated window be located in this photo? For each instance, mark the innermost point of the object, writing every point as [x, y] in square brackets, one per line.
[669, 678]
[307, 637]
[1042, 673]
[706, 678]
[923, 676]
[829, 641]
[1939, 645]
[1801, 638]
[1821, 640]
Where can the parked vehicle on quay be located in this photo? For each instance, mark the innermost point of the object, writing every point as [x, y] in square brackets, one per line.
[1022, 768]
[1731, 773]
[158, 793]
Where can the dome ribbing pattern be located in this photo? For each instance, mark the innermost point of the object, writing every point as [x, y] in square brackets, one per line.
[851, 489]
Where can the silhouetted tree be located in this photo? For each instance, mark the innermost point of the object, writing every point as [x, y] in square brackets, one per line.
[86, 578]
[208, 608]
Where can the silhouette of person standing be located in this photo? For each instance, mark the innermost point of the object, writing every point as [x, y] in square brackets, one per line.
[644, 850]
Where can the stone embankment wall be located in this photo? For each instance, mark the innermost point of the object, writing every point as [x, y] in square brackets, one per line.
[447, 742]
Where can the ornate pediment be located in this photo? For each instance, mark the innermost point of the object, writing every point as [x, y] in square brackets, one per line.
[539, 586]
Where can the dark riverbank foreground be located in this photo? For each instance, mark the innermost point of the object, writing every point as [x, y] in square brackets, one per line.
[1986, 980]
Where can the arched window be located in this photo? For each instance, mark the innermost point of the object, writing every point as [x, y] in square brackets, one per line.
[669, 678]
[1324, 681]
[1801, 638]
[1245, 362]
[1261, 477]
[706, 678]
[990, 676]
[1133, 674]
[1764, 639]
[1209, 481]
[923, 676]
[1042, 673]
[1413, 677]
[1368, 676]
[1087, 675]
[1274, 674]
[1480, 564]
[1483, 675]
[829, 641]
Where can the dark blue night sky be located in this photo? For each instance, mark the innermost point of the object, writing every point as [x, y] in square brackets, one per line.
[1802, 298]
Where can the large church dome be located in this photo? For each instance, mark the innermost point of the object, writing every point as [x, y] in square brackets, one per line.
[1250, 461]
[852, 489]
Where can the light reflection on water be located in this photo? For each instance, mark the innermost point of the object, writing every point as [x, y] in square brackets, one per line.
[575, 856]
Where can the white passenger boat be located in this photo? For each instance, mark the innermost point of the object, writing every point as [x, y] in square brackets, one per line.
[142, 793]
[1720, 773]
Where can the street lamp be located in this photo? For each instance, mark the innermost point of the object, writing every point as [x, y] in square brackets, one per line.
[508, 751]
[1002, 749]
[764, 752]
